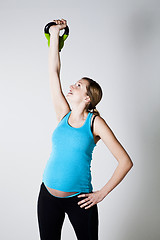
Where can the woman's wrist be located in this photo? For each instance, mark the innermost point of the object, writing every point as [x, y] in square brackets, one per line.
[54, 31]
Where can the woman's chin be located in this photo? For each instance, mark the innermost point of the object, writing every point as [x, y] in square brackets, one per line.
[68, 97]
[68, 94]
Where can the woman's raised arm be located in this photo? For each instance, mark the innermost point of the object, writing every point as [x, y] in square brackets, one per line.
[59, 101]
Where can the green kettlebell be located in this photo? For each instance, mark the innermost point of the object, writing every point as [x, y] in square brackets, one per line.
[61, 38]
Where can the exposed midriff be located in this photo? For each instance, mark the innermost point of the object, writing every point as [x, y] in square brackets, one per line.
[58, 193]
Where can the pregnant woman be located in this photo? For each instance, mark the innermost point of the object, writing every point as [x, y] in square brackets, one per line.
[66, 184]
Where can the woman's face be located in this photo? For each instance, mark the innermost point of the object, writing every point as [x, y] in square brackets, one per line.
[78, 91]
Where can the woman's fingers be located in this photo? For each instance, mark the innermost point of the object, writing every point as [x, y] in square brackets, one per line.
[60, 24]
[58, 21]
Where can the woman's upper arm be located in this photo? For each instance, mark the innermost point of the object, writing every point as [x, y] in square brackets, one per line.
[106, 134]
[60, 103]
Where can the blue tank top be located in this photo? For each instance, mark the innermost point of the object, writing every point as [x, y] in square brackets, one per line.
[68, 167]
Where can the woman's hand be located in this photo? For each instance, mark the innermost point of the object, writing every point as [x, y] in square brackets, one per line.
[91, 199]
[61, 24]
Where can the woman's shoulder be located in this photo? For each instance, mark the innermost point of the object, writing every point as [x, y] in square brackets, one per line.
[99, 124]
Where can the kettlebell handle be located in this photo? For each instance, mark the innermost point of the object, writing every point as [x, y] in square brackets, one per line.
[61, 38]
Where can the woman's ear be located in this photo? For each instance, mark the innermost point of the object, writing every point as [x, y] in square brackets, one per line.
[87, 99]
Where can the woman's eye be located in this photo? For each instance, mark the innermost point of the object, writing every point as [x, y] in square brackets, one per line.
[78, 84]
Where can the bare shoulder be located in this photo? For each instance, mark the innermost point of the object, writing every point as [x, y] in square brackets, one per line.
[100, 126]
[108, 137]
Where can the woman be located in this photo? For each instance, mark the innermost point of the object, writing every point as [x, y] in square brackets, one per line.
[66, 185]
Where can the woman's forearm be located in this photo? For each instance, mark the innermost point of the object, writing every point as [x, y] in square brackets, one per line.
[54, 57]
[119, 173]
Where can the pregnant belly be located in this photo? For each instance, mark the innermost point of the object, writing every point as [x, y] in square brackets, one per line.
[58, 193]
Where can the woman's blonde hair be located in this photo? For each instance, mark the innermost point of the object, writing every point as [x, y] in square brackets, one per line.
[94, 91]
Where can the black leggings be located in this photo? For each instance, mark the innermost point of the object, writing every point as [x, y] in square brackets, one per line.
[51, 213]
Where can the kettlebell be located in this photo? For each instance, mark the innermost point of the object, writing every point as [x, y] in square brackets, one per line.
[61, 38]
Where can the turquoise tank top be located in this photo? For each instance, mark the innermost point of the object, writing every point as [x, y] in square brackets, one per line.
[68, 167]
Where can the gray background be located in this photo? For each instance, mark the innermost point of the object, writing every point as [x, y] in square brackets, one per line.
[117, 44]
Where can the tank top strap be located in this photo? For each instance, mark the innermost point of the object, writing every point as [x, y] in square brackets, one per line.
[66, 116]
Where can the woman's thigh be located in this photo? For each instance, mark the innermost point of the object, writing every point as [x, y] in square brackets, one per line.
[84, 221]
[50, 215]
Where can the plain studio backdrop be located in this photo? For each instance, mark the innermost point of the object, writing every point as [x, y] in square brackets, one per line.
[115, 43]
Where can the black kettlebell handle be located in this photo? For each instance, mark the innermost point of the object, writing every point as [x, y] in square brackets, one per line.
[48, 25]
